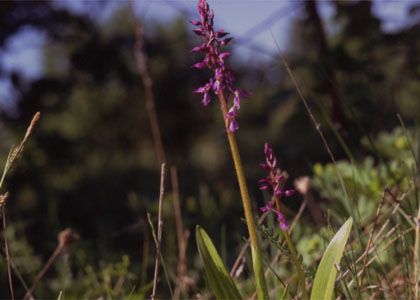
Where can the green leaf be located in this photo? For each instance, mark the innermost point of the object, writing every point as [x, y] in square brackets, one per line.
[218, 277]
[323, 287]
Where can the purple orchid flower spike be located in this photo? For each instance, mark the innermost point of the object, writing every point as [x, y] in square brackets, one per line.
[273, 184]
[215, 60]
[267, 207]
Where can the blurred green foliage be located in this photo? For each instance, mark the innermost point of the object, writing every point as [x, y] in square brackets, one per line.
[366, 180]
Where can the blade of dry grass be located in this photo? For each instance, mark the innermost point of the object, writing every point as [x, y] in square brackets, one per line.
[6, 246]
[182, 237]
[317, 125]
[159, 230]
[16, 152]
[13, 156]
[65, 238]
[141, 59]
[416, 256]
[370, 240]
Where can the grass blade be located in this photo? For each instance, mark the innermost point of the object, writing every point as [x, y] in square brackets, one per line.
[218, 277]
[325, 275]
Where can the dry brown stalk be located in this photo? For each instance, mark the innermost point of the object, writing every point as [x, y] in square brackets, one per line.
[141, 59]
[6, 244]
[16, 152]
[13, 156]
[182, 236]
[65, 238]
[3, 199]
[370, 240]
[416, 256]
[377, 258]
[159, 230]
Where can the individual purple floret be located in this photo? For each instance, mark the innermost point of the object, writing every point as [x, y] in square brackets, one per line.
[272, 183]
[281, 219]
[214, 59]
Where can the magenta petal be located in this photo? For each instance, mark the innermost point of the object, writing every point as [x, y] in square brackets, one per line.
[224, 55]
[216, 86]
[197, 49]
[200, 90]
[283, 226]
[233, 126]
[267, 207]
[289, 193]
[221, 33]
[226, 41]
[206, 99]
[264, 166]
[278, 192]
[199, 32]
[195, 22]
[199, 65]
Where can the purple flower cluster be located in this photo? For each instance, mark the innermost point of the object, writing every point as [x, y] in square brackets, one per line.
[272, 183]
[214, 60]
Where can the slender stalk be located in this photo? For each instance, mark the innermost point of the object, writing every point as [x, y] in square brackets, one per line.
[246, 202]
[159, 231]
[294, 255]
[416, 256]
[65, 238]
[44, 270]
[149, 95]
[182, 236]
[6, 249]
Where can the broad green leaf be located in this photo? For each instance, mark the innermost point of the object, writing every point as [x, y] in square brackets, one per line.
[218, 277]
[323, 287]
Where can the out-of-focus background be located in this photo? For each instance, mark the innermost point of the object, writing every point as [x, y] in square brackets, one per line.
[91, 164]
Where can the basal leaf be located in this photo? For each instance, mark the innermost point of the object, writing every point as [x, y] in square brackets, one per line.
[218, 277]
[323, 286]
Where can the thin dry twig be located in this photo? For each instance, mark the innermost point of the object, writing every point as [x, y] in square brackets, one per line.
[317, 125]
[65, 239]
[370, 241]
[13, 156]
[141, 59]
[416, 256]
[143, 69]
[159, 230]
[182, 236]
[6, 245]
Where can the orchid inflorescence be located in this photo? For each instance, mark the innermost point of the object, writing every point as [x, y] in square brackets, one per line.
[223, 79]
[273, 184]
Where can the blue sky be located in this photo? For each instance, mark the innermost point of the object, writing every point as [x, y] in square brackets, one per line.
[23, 52]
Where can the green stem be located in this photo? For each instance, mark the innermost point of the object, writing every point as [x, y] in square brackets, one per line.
[262, 290]
[295, 258]
[297, 263]
[294, 255]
